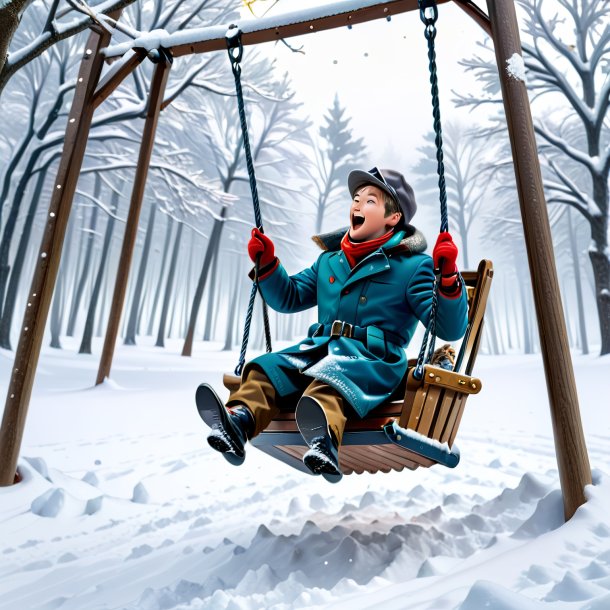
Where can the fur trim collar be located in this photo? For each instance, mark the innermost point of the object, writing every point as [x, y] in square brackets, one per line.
[413, 241]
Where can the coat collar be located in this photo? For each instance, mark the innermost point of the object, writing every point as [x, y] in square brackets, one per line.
[406, 241]
[412, 241]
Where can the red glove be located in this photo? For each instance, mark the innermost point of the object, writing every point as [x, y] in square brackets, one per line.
[445, 254]
[260, 244]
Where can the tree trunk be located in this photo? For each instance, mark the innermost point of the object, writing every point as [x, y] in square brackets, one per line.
[525, 316]
[178, 281]
[155, 101]
[601, 272]
[188, 282]
[212, 301]
[567, 307]
[8, 234]
[584, 344]
[216, 314]
[323, 198]
[55, 322]
[143, 301]
[130, 335]
[77, 259]
[16, 271]
[232, 317]
[600, 261]
[57, 311]
[169, 287]
[85, 273]
[104, 306]
[213, 245]
[491, 328]
[164, 257]
[85, 346]
[10, 16]
[320, 214]
[508, 315]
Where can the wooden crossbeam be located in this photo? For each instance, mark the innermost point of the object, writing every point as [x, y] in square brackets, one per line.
[308, 21]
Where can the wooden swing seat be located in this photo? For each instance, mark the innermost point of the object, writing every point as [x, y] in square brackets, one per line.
[416, 427]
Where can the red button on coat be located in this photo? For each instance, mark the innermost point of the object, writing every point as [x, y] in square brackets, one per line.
[331, 279]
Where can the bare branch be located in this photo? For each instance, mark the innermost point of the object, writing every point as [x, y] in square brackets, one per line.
[558, 78]
[571, 188]
[572, 203]
[562, 145]
[47, 39]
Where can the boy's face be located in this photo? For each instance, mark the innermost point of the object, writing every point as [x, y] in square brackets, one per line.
[367, 215]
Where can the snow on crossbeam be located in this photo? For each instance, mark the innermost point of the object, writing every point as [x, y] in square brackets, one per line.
[266, 29]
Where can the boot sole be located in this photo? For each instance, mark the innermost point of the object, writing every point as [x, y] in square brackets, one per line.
[213, 413]
[311, 423]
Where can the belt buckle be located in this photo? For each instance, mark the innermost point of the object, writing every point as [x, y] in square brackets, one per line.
[348, 330]
[341, 329]
[336, 329]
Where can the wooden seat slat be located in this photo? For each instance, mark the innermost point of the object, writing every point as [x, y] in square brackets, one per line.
[447, 404]
[396, 461]
[378, 458]
[294, 450]
[459, 410]
[428, 411]
[350, 463]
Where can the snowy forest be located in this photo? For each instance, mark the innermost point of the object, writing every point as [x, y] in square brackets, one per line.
[189, 269]
[119, 502]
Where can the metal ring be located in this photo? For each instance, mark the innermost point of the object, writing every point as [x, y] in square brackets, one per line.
[234, 44]
[428, 11]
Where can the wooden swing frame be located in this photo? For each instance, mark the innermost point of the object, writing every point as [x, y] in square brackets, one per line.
[416, 427]
[91, 90]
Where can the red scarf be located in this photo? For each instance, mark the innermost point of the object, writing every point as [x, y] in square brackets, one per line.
[356, 251]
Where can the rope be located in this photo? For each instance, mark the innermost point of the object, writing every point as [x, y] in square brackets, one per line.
[428, 13]
[236, 51]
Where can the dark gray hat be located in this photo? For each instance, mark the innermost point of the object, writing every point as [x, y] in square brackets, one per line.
[390, 181]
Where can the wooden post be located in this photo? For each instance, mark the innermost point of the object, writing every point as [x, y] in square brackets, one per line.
[157, 90]
[47, 266]
[572, 458]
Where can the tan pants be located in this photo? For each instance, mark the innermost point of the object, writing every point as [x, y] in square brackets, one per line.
[258, 394]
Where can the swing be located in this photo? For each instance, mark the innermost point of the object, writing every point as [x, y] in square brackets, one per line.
[417, 426]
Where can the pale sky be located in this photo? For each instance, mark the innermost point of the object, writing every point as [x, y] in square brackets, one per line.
[380, 71]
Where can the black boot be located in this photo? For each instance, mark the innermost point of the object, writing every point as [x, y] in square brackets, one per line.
[230, 429]
[323, 454]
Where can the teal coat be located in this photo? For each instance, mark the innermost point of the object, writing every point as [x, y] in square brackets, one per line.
[386, 294]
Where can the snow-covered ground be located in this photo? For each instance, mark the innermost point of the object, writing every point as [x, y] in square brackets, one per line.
[123, 505]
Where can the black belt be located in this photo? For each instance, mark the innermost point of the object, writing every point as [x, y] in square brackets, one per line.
[338, 328]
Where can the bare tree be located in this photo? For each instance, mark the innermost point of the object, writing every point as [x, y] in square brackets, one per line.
[54, 30]
[566, 51]
[85, 346]
[169, 286]
[86, 265]
[467, 177]
[276, 134]
[336, 155]
[118, 121]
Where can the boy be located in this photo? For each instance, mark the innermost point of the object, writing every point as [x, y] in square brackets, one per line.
[372, 285]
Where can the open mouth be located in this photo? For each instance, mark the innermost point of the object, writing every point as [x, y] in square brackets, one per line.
[357, 220]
